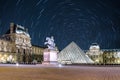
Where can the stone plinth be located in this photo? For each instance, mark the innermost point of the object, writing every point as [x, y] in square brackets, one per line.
[50, 56]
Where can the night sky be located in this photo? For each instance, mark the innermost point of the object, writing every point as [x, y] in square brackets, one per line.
[82, 21]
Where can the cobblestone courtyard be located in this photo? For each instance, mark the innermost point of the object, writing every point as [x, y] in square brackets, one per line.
[59, 73]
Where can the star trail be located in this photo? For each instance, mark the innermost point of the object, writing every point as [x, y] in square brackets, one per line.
[82, 21]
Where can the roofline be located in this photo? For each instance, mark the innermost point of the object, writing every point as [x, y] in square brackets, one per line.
[39, 46]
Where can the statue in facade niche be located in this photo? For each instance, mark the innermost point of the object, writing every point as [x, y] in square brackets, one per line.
[50, 43]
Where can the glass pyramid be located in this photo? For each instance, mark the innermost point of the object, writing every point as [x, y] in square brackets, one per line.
[73, 54]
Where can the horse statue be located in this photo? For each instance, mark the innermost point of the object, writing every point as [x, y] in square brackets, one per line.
[50, 43]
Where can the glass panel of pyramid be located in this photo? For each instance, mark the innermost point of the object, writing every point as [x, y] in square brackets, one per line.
[74, 54]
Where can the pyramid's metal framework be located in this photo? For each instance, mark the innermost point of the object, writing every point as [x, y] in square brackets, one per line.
[73, 54]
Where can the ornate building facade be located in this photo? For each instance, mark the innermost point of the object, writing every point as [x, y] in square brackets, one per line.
[111, 56]
[103, 56]
[15, 46]
[95, 53]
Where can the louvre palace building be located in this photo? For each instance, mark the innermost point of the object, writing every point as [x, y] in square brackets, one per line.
[15, 46]
[103, 56]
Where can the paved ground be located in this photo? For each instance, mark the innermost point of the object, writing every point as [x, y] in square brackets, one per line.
[44, 72]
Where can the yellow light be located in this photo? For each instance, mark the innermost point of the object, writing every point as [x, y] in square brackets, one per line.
[96, 60]
[118, 61]
[5, 55]
[3, 59]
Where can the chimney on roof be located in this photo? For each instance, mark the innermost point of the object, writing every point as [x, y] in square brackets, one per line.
[11, 27]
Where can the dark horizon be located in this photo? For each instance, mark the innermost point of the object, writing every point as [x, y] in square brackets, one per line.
[82, 21]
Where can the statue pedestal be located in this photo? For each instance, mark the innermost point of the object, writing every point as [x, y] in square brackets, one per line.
[50, 56]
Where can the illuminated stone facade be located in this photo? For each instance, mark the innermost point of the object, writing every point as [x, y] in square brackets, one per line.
[103, 56]
[37, 53]
[111, 56]
[95, 53]
[15, 46]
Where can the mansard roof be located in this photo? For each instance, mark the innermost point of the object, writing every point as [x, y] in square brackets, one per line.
[18, 29]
